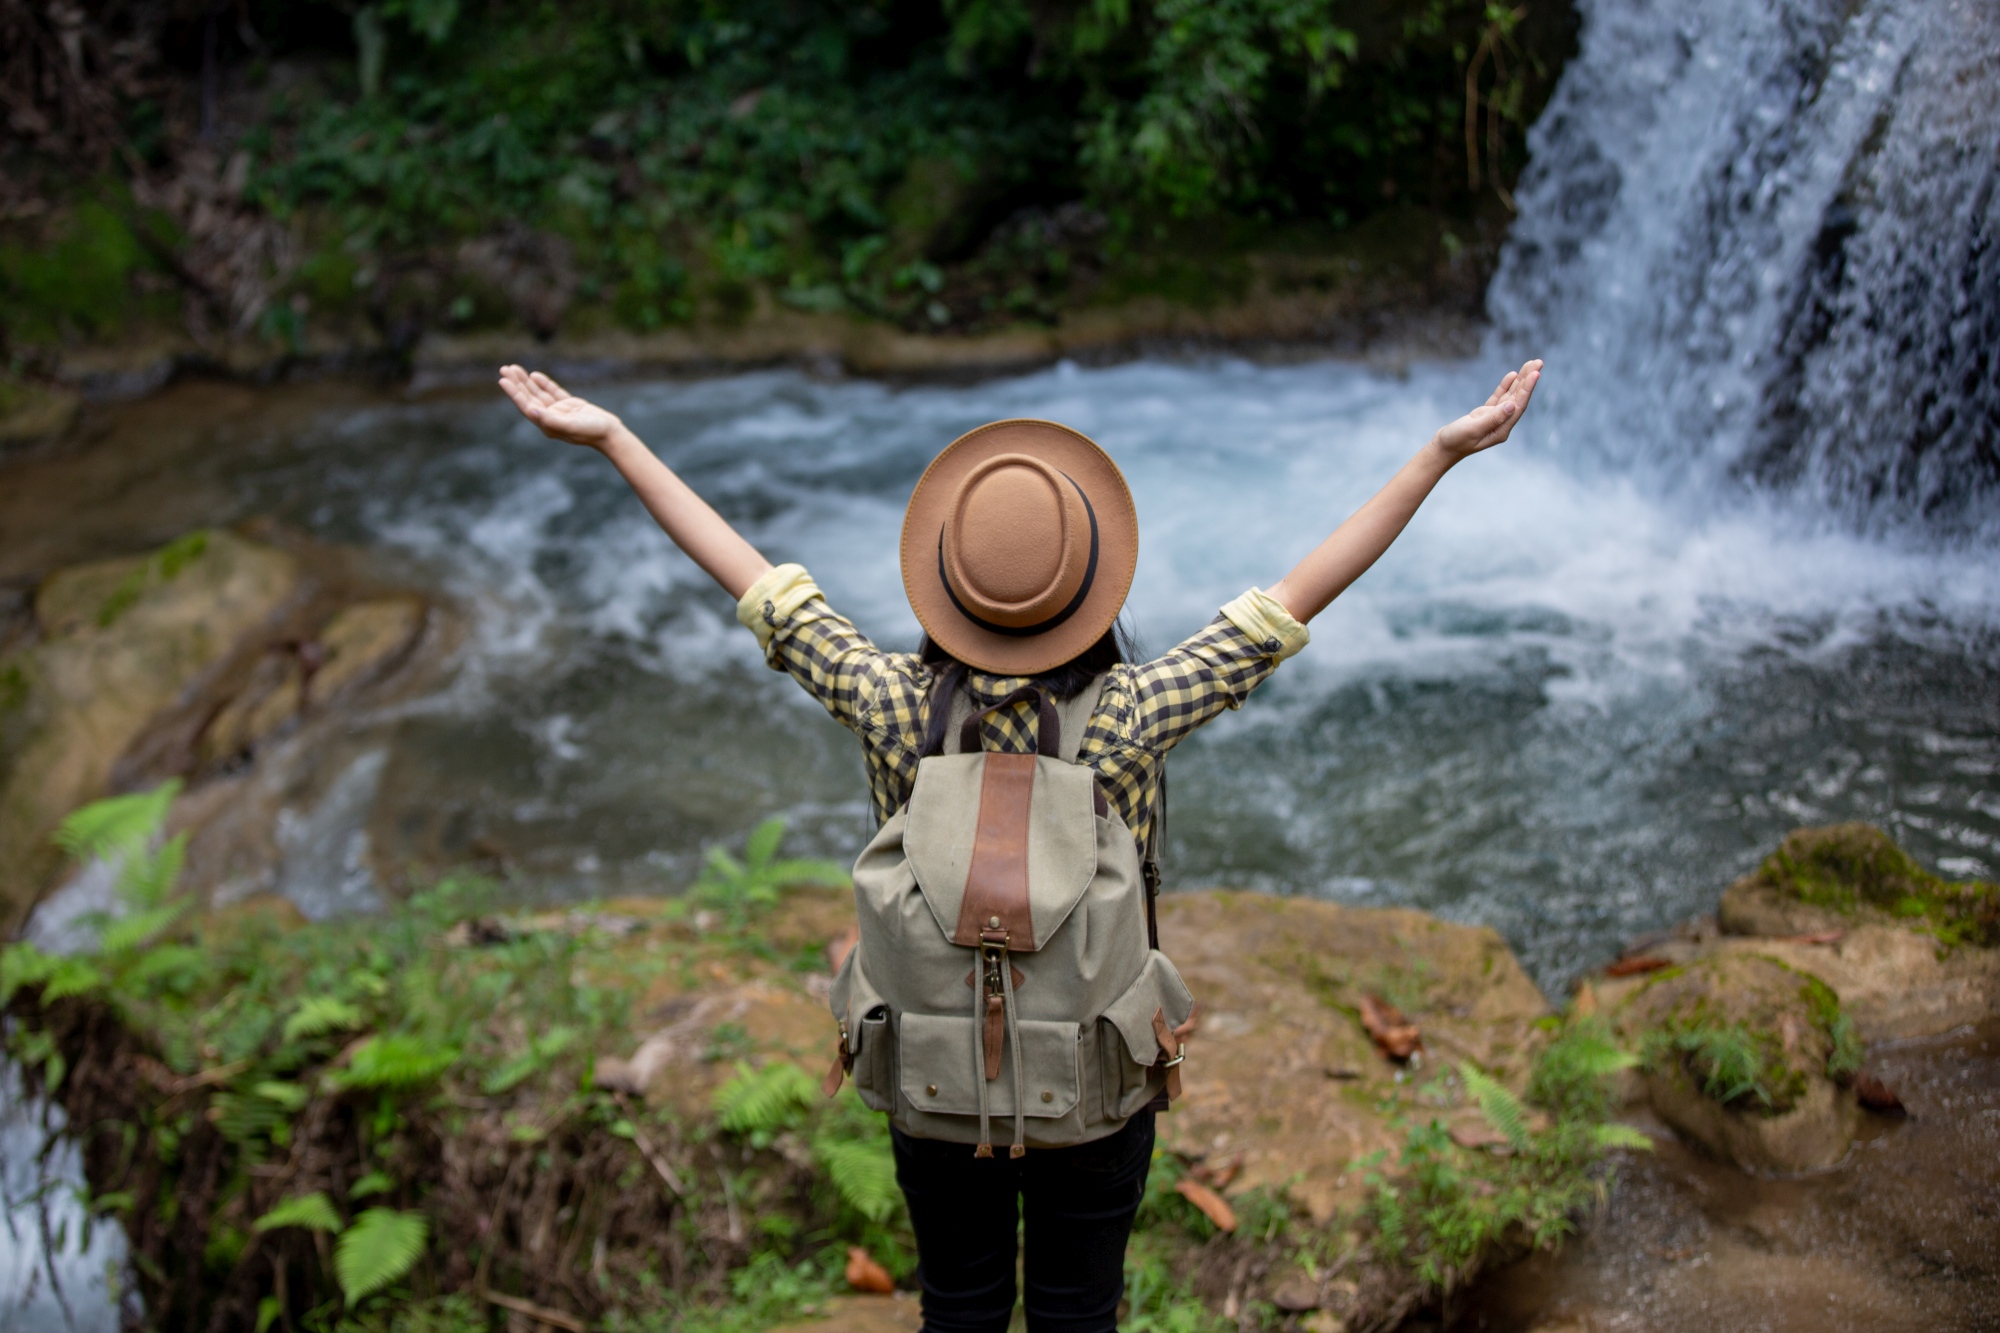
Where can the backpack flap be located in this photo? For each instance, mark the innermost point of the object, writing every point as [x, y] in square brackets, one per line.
[1016, 829]
[1159, 990]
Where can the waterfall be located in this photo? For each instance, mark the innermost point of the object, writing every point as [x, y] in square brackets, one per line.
[1760, 243]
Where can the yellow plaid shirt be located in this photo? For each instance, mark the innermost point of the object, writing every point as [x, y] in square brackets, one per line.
[1144, 710]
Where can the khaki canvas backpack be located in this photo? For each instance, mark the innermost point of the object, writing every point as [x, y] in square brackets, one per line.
[1008, 967]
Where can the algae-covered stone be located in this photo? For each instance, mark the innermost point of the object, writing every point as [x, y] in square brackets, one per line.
[1910, 954]
[1825, 878]
[1747, 1057]
[120, 640]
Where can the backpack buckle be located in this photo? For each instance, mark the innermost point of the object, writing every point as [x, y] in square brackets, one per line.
[1179, 1057]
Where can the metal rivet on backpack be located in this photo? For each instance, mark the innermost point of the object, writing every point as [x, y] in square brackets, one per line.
[993, 921]
[932, 1090]
[1048, 1096]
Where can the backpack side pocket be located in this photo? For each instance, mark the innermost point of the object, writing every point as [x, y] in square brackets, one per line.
[874, 1044]
[1131, 1065]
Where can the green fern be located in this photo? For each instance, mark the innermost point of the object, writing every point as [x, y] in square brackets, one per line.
[25, 965]
[761, 1103]
[397, 1062]
[375, 1182]
[71, 976]
[311, 1211]
[1502, 1109]
[741, 889]
[381, 1246]
[290, 1096]
[863, 1172]
[117, 824]
[1620, 1136]
[321, 1014]
[1569, 1075]
[149, 879]
[129, 932]
[541, 1051]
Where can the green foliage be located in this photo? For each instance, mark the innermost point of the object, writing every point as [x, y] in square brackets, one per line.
[117, 825]
[862, 1171]
[1846, 866]
[381, 1246]
[541, 1052]
[311, 1211]
[318, 1015]
[760, 1104]
[1568, 1078]
[1502, 1109]
[1445, 1206]
[399, 1062]
[1731, 1063]
[74, 277]
[742, 889]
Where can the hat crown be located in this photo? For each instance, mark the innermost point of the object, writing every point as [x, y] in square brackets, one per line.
[1015, 539]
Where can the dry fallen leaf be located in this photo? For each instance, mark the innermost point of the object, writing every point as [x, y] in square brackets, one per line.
[1876, 1095]
[1396, 1035]
[864, 1274]
[1214, 1205]
[1476, 1134]
[1632, 967]
[1220, 1172]
[1818, 937]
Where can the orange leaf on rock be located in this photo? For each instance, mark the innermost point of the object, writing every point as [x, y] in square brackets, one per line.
[1212, 1204]
[864, 1274]
[1633, 966]
[1395, 1035]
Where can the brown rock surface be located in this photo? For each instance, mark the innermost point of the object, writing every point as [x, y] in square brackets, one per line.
[120, 641]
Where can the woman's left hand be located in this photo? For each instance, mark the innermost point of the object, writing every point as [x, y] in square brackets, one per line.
[1484, 427]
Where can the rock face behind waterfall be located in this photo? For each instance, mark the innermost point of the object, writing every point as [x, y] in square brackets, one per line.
[1762, 241]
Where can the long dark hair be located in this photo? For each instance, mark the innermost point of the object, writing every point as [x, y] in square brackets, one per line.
[1067, 680]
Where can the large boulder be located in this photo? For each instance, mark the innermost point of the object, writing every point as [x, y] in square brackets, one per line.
[206, 661]
[1749, 1058]
[119, 641]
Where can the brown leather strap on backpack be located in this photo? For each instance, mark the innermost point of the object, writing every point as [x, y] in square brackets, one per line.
[1048, 731]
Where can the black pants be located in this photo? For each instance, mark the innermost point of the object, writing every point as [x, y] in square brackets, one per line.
[1079, 1205]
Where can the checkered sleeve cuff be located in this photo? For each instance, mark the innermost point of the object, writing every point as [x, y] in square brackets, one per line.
[1265, 621]
[772, 599]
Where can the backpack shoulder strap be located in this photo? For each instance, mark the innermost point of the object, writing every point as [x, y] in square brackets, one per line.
[1074, 714]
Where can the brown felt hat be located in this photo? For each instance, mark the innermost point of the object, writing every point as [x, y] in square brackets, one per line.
[1019, 546]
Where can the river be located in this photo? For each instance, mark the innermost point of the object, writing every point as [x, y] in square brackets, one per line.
[1735, 573]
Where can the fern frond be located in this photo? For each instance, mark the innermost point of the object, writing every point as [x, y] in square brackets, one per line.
[129, 932]
[24, 965]
[397, 1062]
[147, 880]
[117, 823]
[375, 1182]
[72, 976]
[1502, 1109]
[764, 1101]
[290, 1096]
[379, 1248]
[1615, 1135]
[863, 1173]
[763, 842]
[1593, 1055]
[311, 1211]
[318, 1015]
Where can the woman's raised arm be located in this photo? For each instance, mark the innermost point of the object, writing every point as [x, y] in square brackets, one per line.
[1359, 542]
[684, 516]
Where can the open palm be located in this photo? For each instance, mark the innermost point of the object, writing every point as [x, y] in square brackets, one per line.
[560, 414]
[1488, 425]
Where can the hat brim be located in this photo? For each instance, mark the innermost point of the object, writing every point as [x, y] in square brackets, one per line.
[1110, 499]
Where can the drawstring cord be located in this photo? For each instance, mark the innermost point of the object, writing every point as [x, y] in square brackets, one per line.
[1014, 1039]
[985, 1148]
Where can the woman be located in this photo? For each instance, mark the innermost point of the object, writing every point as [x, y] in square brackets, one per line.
[1018, 549]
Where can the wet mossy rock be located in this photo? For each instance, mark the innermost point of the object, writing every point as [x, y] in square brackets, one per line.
[182, 662]
[1748, 1057]
[119, 641]
[1909, 953]
[1838, 876]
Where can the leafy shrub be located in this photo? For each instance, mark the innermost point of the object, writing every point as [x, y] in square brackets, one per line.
[1845, 866]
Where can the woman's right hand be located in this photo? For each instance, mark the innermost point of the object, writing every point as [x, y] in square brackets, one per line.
[560, 414]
